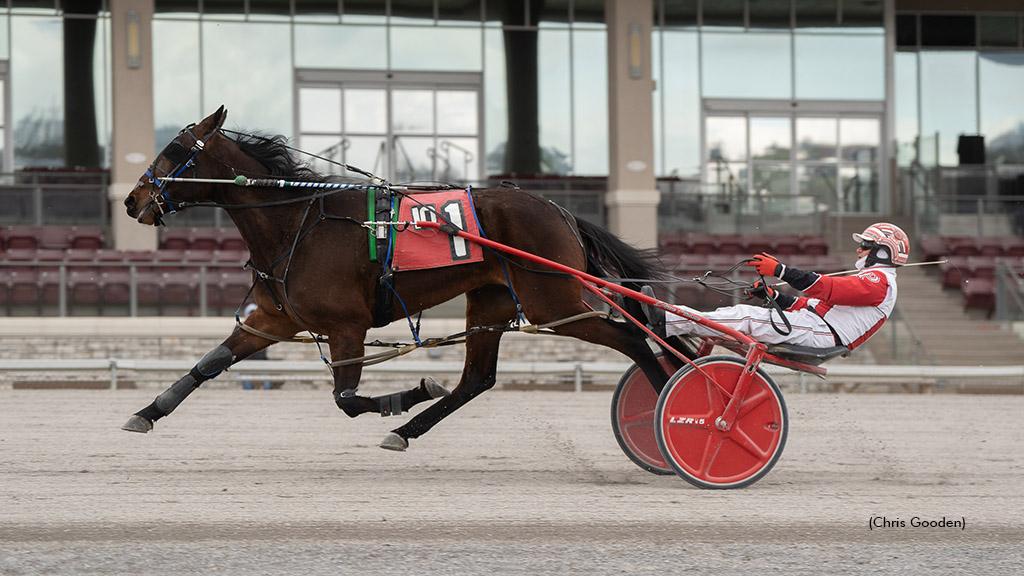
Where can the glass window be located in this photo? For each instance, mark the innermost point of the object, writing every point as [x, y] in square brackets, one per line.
[4, 48]
[769, 14]
[906, 30]
[816, 139]
[862, 13]
[590, 102]
[905, 106]
[354, 47]
[496, 102]
[1002, 117]
[321, 110]
[771, 180]
[770, 138]
[726, 138]
[946, 30]
[240, 60]
[860, 188]
[456, 112]
[414, 158]
[176, 84]
[816, 13]
[998, 30]
[435, 48]
[458, 160]
[36, 78]
[675, 12]
[366, 111]
[729, 71]
[555, 107]
[412, 111]
[368, 153]
[724, 13]
[317, 8]
[832, 67]
[818, 182]
[948, 100]
[859, 139]
[679, 106]
[465, 12]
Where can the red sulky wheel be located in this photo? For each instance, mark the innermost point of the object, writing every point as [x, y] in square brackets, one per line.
[633, 405]
[702, 454]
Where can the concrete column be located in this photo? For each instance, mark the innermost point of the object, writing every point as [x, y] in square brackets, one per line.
[632, 197]
[133, 140]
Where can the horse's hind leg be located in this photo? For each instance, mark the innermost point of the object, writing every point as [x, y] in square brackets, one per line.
[486, 306]
[238, 346]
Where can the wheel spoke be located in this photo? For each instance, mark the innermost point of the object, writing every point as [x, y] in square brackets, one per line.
[751, 402]
[740, 437]
[644, 417]
[711, 448]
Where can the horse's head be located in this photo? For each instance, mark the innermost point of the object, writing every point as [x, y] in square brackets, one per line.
[153, 195]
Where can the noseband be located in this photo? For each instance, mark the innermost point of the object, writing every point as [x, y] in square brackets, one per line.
[183, 159]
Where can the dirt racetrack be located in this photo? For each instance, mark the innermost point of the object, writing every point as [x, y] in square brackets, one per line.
[517, 482]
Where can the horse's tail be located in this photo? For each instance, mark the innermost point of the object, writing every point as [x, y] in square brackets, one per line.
[608, 255]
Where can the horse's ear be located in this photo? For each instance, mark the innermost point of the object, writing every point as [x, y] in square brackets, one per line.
[220, 116]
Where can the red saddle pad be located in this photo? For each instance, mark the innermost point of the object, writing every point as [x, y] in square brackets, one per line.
[420, 248]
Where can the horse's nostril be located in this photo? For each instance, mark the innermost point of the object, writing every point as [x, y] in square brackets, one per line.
[129, 202]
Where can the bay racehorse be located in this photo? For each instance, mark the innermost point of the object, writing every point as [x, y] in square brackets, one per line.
[308, 252]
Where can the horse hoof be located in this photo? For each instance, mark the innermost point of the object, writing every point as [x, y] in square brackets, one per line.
[137, 424]
[434, 389]
[394, 442]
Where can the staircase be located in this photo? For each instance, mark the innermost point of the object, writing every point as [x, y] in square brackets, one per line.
[948, 334]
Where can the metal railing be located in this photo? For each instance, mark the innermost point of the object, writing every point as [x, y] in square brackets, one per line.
[44, 197]
[46, 290]
[1009, 292]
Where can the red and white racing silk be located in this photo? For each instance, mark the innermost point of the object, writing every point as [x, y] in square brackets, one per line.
[854, 306]
[836, 311]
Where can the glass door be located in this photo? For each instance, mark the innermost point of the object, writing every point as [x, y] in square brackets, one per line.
[792, 161]
[404, 131]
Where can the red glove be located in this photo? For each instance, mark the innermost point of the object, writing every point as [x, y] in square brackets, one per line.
[760, 290]
[766, 265]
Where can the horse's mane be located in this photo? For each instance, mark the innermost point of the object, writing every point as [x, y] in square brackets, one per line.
[275, 155]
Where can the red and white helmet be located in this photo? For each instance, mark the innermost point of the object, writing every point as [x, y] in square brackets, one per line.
[890, 237]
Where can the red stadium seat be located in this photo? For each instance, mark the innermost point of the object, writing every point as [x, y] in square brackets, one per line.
[814, 244]
[951, 271]
[980, 293]
[205, 239]
[1013, 246]
[230, 239]
[54, 237]
[932, 247]
[84, 290]
[20, 237]
[758, 243]
[90, 237]
[989, 246]
[962, 246]
[730, 244]
[175, 239]
[786, 244]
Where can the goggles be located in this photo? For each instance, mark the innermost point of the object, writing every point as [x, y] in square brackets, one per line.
[867, 245]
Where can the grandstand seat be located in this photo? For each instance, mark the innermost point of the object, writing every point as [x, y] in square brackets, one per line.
[231, 256]
[54, 237]
[932, 247]
[50, 287]
[178, 292]
[981, 267]
[700, 243]
[730, 244]
[951, 271]
[204, 239]
[1013, 246]
[980, 293]
[166, 260]
[231, 239]
[672, 241]
[84, 289]
[233, 286]
[757, 243]
[108, 260]
[814, 244]
[787, 244]
[962, 246]
[20, 237]
[23, 290]
[989, 246]
[86, 237]
[175, 238]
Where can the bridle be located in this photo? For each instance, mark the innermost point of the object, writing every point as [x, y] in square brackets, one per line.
[183, 158]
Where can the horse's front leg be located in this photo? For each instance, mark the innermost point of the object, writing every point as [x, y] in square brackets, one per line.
[349, 345]
[240, 345]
